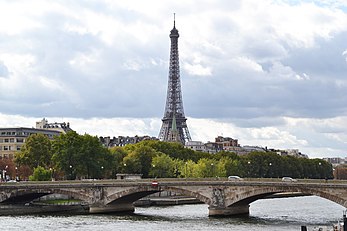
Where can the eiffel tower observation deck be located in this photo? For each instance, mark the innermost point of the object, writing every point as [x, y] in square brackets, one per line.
[174, 127]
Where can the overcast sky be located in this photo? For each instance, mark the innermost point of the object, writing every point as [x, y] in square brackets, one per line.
[268, 73]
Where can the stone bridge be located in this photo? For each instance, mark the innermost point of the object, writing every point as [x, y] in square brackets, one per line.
[223, 197]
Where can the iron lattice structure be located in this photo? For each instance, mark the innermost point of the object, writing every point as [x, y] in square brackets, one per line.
[174, 127]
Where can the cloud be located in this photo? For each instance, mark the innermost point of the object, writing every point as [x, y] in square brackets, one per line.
[244, 64]
[3, 70]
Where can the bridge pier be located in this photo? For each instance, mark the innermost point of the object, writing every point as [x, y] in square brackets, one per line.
[229, 211]
[112, 208]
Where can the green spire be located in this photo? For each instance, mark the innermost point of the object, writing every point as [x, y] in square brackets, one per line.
[174, 125]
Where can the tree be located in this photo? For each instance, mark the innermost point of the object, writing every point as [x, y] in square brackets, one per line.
[228, 167]
[35, 152]
[205, 168]
[162, 166]
[139, 159]
[41, 174]
[66, 153]
[117, 155]
[94, 160]
[81, 156]
[186, 168]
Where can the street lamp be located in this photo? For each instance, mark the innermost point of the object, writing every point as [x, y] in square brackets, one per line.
[154, 171]
[186, 165]
[212, 166]
[320, 170]
[52, 173]
[102, 170]
[16, 177]
[70, 172]
[124, 169]
[4, 173]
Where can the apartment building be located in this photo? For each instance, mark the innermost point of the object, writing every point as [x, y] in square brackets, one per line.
[12, 139]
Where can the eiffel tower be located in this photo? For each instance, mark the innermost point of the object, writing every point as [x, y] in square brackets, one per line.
[174, 127]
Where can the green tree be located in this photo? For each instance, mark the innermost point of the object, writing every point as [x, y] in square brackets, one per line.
[41, 174]
[67, 152]
[228, 167]
[81, 156]
[94, 160]
[117, 155]
[139, 159]
[35, 152]
[162, 166]
[205, 168]
[186, 168]
[175, 150]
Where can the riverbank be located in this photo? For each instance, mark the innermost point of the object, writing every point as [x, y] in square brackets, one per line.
[78, 209]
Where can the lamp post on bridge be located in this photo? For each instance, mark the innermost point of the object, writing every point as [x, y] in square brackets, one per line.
[70, 175]
[102, 171]
[270, 165]
[249, 168]
[212, 167]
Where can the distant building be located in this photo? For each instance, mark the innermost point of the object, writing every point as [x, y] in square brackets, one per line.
[335, 161]
[248, 149]
[212, 147]
[227, 142]
[60, 127]
[12, 139]
[196, 146]
[123, 140]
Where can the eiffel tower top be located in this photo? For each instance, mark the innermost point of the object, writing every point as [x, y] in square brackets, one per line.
[174, 31]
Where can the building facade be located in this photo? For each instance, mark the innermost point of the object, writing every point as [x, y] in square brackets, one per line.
[123, 140]
[12, 139]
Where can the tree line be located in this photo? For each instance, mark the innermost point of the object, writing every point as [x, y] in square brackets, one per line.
[74, 156]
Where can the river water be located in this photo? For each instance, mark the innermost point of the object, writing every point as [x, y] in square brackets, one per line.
[268, 215]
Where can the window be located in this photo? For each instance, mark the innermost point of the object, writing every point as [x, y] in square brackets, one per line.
[6, 140]
[19, 140]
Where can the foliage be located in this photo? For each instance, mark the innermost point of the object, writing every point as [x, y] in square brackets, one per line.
[117, 155]
[35, 152]
[66, 149]
[139, 159]
[41, 174]
[81, 156]
[162, 166]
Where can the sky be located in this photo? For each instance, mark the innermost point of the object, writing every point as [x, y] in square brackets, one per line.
[268, 73]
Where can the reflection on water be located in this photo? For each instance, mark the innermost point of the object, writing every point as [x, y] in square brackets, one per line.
[270, 215]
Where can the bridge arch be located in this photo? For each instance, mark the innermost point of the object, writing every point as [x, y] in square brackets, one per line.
[246, 197]
[23, 196]
[136, 193]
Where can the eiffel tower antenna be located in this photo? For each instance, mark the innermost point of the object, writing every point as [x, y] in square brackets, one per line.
[174, 20]
[174, 120]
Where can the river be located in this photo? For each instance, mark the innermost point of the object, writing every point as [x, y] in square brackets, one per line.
[265, 215]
